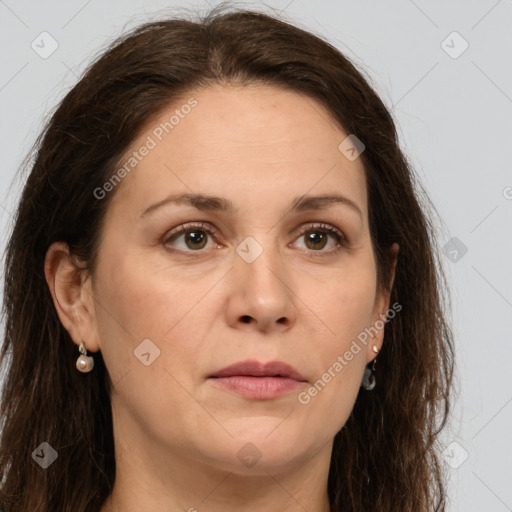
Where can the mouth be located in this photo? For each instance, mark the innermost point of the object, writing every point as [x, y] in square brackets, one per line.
[256, 380]
[256, 369]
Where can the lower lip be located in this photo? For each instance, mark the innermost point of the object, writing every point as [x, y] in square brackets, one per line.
[260, 388]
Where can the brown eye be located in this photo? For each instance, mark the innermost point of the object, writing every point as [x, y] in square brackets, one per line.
[321, 239]
[191, 237]
[315, 239]
[195, 239]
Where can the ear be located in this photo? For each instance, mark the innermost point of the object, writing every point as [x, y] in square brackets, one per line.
[72, 295]
[381, 307]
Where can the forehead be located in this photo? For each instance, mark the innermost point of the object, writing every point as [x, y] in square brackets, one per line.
[245, 142]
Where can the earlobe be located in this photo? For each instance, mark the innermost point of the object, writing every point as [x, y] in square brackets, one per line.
[65, 282]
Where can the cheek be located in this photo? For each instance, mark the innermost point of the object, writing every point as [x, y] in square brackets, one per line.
[345, 306]
[148, 319]
[145, 299]
[345, 303]
[341, 359]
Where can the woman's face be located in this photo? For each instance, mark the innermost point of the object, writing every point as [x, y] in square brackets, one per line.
[255, 275]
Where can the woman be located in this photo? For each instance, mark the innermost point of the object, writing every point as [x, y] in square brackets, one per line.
[221, 290]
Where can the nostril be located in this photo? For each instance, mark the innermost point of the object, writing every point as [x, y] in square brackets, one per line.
[246, 319]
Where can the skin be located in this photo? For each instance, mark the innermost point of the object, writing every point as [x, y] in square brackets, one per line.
[177, 435]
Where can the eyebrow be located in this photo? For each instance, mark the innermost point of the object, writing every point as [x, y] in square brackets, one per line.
[218, 204]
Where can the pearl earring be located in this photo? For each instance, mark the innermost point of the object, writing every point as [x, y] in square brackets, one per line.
[369, 380]
[84, 363]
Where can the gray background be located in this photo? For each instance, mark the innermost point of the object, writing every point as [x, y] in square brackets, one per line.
[454, 115]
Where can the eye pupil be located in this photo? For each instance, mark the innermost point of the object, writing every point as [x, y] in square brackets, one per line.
[317, 239]
[198, 239]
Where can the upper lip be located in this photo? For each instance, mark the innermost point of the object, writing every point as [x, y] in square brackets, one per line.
[257, 369]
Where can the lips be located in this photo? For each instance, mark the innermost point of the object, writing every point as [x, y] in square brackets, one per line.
[257, 369]
[257, 381]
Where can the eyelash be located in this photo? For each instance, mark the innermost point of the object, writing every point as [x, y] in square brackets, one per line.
[208, 228]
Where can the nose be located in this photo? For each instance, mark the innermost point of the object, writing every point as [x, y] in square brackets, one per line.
[261, 296]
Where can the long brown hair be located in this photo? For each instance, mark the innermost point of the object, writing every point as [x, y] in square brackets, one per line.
[386, 457]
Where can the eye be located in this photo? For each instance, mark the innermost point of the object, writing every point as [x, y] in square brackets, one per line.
[316, 238]
[194, 236]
